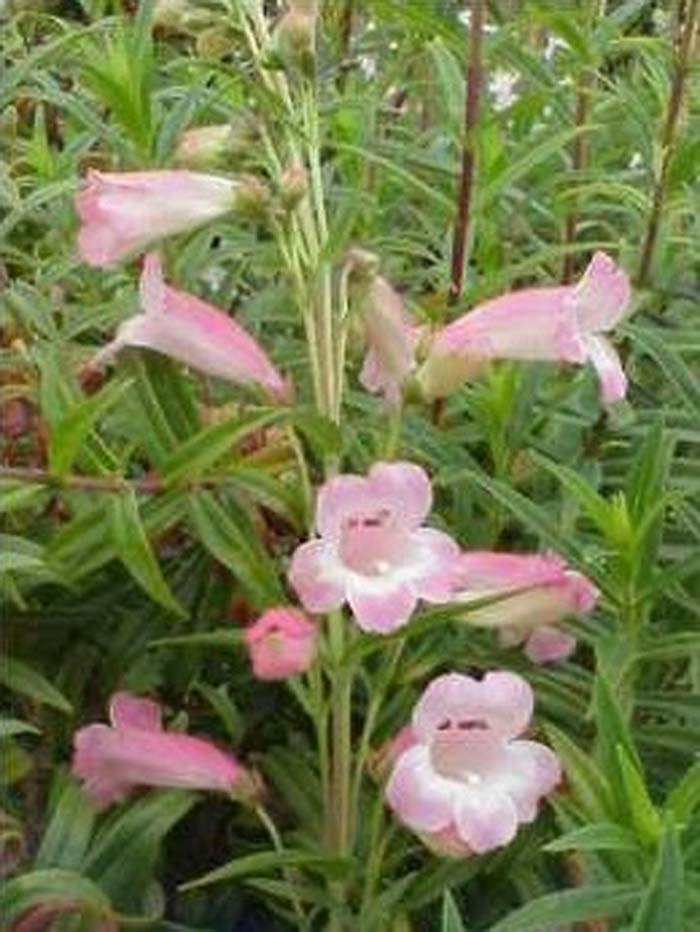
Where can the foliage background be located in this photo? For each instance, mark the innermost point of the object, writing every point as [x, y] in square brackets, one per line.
[140, 576]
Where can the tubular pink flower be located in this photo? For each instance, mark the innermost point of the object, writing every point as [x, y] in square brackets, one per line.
[122, 213]
[135, 751]
[392, 338]
[185, 328]
[534, 592]
[558, 324]
[281, 643]
[467, 783]
[372, 551]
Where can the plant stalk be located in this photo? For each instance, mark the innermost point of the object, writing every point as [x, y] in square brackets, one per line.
[675, 103]
[466, 181]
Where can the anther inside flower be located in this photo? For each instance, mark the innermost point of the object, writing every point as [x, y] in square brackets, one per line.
[464, 784]
[372, 551]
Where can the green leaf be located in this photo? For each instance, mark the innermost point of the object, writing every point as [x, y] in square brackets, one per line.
[69, 433]
[221, 637]
[605, 901]
[680, 376]
[9, 727]
[451, 920]
[589, 784]
[228, 534]
[20, 678]
[614, 740]
[209, 445]
[133, 549]
[641, 811]
[661, 907]
[59, 887]
[333, 868]
[684, 799]
[69, 831]
[124, 854]
[601, 836]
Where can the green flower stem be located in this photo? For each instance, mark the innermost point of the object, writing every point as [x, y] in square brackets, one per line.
[278, 845]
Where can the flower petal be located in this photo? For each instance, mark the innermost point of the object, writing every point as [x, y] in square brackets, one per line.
[438, 553]
[602, 295]
[532, 773]
[485, 819]
[317, 577]
[421, 798]
[338, 499]
[380, 603]
[613, 381]
[548, 644]
[481, 571]
[405, 488]
[129, 711]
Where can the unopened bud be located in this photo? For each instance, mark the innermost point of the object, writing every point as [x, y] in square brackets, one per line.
[252, 197]
[362, 265]
[180, 16]
[215, 42]
[294, 38]
[294, 184]
[223, 145]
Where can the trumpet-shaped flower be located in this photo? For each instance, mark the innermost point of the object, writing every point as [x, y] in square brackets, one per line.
[534, 592]
[281, 643]
[122, 213]
[391, 342]
[372, 551]
[190, 330]
[565, 323]
[468, 781]
[134, 750]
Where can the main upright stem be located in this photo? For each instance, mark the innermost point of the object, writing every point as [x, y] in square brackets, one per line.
[466, 181]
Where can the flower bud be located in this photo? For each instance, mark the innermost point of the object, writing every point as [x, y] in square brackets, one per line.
[252, 197]
[294, 184]
[294, 38]
[281, 644]
[219, 145]
[215, 42]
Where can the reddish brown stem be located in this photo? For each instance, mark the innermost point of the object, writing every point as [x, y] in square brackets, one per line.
[579, 160]
[466, 181]
[675, 102]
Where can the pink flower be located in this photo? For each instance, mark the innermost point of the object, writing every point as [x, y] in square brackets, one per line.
[281, 643]
[190, 330]
[372, 551]
[135, 751]
[564, 323]
[533, 591]
[467, 783]
[122, 213]
[392, 338]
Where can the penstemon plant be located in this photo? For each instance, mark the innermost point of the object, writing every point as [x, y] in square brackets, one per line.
[413, 666]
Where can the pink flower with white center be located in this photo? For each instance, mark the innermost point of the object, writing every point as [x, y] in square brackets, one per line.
[372, 551]
[467, 782]
[185, 328]
[281, 643]
[123, 212]
[392, 338]
[534, 592]
[112, 760]
[564, 323]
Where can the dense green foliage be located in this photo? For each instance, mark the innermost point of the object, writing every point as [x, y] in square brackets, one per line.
[146, 518]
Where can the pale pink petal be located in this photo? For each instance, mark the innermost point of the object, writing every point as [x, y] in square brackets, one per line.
[421, 798]
[485, 819]
[447, 697]
[316, 576]
[380, 604]
[92, 763]
[549, 644]
[613, 381]
[121, 213]
[481, 571]
[503, 701]
[340, 498]
[508, 701]
[535, 324]
[405, 488]
[583, 595]
[601, 297]
[129, 711]
[191, 331]
[531, 773]
[437, 555]
[391, 339]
